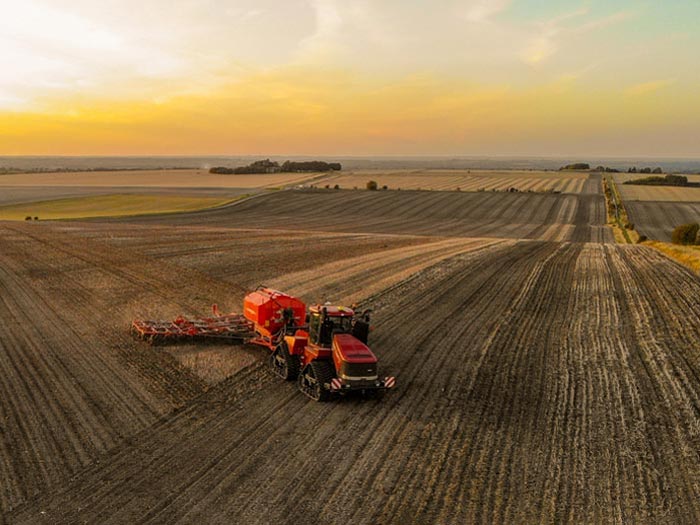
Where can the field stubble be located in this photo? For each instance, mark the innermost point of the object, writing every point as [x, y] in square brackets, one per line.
[539, 381]
[578, 218]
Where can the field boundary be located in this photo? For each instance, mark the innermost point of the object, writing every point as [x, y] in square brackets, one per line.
[687, 256]
[618, 220]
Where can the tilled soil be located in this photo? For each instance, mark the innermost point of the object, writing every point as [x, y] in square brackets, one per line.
[657, 220]
[74, 383]
[545, 216]
[538, 382]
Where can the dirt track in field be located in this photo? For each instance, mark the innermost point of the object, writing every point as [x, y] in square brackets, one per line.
[556, 217]
[539, 381]
[657, 220]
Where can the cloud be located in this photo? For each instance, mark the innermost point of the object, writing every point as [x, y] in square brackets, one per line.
[647, 88]
[482, 10]
[552, 32]
[131, 48]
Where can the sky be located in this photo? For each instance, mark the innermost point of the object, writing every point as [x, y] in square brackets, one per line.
[350, 77]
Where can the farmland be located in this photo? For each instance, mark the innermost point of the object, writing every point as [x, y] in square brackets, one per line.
[464, 180]
[495, 214]
[544, 373]
[657, 220]
[113, 204]
[659, 193]
[184, 179]
[656, 210]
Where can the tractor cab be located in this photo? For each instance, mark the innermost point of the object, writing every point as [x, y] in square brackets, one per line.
[325, 321]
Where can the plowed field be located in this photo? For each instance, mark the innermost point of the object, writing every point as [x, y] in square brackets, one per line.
[538, 380]
[657, 220]
[578, 218]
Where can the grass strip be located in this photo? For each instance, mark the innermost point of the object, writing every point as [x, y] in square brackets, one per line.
[113, 205]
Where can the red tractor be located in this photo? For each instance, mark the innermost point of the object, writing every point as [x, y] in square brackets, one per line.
[325, 349]
[327, 355]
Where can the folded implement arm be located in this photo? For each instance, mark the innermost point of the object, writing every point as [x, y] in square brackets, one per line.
[231, 328]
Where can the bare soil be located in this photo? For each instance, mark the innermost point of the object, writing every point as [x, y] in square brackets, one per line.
[657, 220]
[538, 381]
[557, 217]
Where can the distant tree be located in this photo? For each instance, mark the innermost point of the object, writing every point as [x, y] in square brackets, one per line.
[656, 180]
[336, 187]
[372, 185]
[257, 167]
[658, 171]
[676, 180]
[220, 170]
[579, 166]
[313, 165]
[645, 170]
[385, 187]
[686, 233]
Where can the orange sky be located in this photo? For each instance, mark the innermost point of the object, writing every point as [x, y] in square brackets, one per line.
[473, 77]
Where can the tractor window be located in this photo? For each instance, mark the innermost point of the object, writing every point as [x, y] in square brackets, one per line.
[321, 332]
[333, 325]
[342, 324]
[314, 325]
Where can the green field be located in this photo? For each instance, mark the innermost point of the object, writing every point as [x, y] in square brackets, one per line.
[117, 205]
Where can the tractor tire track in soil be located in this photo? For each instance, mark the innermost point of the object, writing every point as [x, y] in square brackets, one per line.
[485, 214]
[538, 382]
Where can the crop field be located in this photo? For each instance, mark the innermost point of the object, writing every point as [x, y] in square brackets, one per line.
[657, 220]
[593, 418]
[113, 205]
[152, 179]
[622, 177]
[504, 215]
[630, 193]
[544, 373]
[463, 180]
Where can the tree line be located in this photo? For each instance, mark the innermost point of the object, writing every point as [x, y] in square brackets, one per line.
[268, 166]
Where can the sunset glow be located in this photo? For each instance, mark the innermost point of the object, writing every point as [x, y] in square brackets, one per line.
[331, 77]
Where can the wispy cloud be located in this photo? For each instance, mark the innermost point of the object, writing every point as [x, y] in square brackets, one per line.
[550, 34]
[646, 88]
[482, 10]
